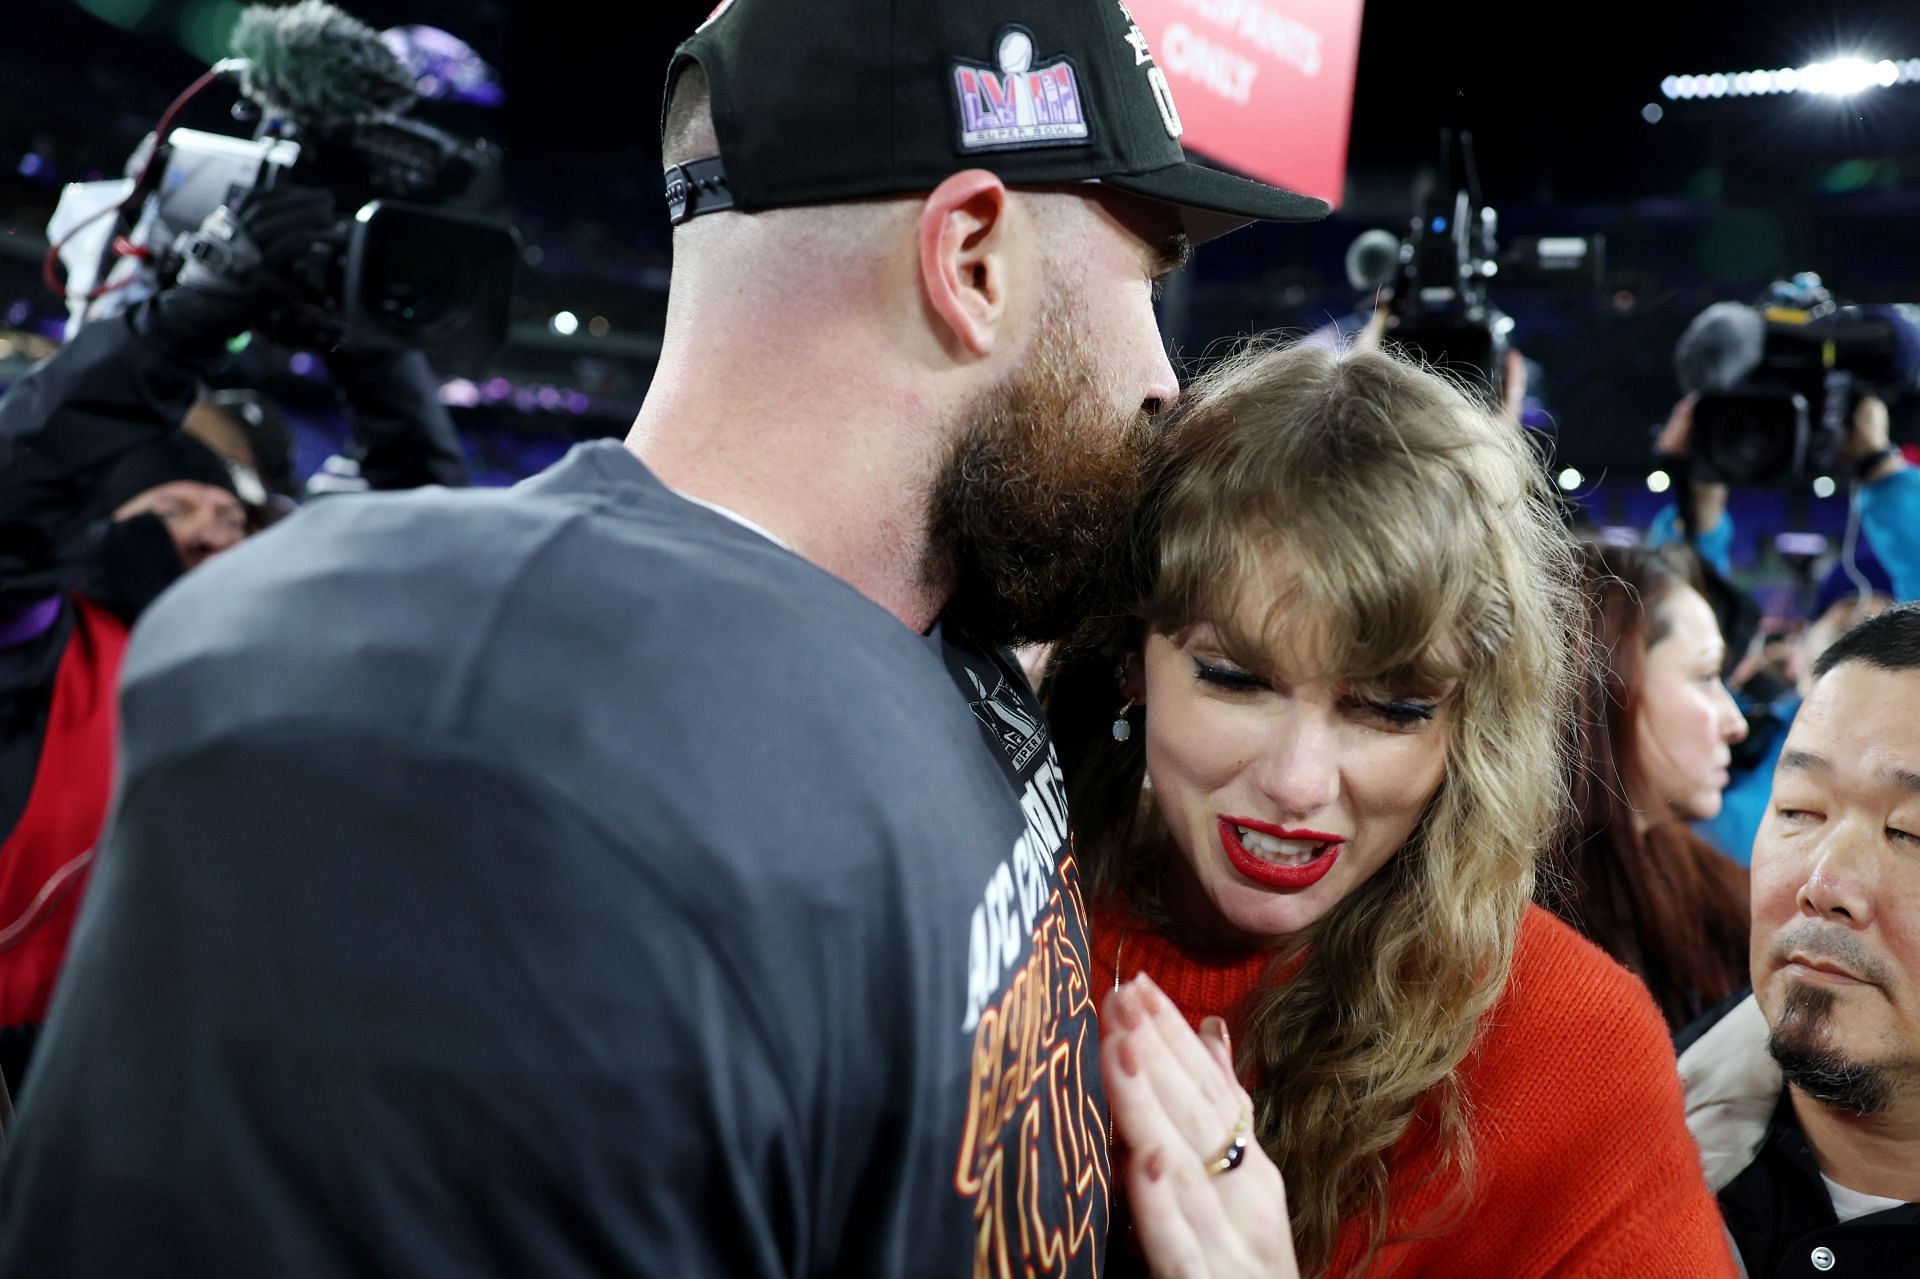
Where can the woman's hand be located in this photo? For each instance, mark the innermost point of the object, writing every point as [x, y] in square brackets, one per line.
[1201, 1211]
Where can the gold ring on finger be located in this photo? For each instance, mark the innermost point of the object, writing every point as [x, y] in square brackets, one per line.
[1234, 1152]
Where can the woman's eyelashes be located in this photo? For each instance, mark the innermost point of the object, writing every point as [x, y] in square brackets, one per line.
[1400, 712]
[1403, 713]
[1224, 675]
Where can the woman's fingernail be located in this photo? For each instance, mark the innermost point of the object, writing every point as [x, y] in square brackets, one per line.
[1127, 1004]
[1156, 1164]
[1147, 993]
[1129, 1064]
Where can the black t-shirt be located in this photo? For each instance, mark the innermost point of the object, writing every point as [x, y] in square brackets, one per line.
[561, 882]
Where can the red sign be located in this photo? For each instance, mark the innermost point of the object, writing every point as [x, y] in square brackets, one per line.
[1265, 86]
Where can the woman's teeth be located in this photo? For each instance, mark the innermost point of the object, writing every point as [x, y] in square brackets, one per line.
[1282, 852]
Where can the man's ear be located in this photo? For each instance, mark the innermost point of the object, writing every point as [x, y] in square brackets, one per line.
[964, 267]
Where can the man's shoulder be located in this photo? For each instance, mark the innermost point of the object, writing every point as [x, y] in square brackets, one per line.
[592, 583]
[597, 531]
[596, 552]
[1732, 1086]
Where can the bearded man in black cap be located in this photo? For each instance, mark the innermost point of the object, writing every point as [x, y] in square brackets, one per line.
[661, 869]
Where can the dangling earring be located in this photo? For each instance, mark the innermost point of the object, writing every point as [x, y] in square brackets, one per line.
[1122, 726]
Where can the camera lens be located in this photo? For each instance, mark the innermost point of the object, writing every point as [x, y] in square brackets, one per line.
[1748, 438]
[427, 277]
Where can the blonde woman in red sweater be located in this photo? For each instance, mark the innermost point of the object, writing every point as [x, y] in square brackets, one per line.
[1310, 782]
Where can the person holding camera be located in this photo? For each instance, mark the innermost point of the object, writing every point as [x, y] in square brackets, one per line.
[105, 502]
[1886, 485]
[1881, 568]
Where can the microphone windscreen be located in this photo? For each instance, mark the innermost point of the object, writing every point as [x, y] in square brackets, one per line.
[1372, 260]
[318, 66]
[1723, 344]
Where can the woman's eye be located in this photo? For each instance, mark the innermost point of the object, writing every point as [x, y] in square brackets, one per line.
[1797, 815]
[1903, 835]
[1231, 678]
[1403, 712]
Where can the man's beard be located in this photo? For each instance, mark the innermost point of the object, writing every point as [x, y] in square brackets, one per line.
[1817, 1068]
[1033, 509]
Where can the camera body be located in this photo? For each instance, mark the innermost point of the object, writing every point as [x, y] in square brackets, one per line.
[1784, 418]
[1440, 310]
[412, 263]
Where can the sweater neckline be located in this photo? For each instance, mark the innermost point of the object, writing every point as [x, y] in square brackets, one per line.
[1201, 981]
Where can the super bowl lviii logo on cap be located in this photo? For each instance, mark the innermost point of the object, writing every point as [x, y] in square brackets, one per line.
[1014, 104]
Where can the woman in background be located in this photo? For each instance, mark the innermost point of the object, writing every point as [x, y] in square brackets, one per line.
[1656, 728]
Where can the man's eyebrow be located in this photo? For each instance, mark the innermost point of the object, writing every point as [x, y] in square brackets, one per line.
[1805, 761]
[1173, 254]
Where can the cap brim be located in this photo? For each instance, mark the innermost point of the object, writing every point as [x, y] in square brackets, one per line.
[1213, 202]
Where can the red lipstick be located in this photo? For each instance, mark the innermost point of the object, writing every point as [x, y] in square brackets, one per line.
[1271, 874]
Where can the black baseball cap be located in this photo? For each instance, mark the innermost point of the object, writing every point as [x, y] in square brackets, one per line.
[840, 99]
[174, 456]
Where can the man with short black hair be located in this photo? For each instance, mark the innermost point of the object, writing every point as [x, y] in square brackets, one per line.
[1805, 1097]
[662, 868]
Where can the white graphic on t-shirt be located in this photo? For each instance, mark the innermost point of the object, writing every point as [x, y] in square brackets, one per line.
[1017, 890]
[1006, 716]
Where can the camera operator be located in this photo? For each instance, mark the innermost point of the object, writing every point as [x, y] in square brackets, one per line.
[106, 501]
[252, 436]
[1881, 568]
[1887, 488]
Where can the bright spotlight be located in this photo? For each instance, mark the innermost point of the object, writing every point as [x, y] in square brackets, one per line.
[1845, 77]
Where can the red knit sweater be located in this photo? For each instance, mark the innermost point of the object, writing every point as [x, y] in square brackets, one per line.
[1584, 1163]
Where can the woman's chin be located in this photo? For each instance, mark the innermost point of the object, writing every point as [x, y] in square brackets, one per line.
[1703, 807]
[1265, 919]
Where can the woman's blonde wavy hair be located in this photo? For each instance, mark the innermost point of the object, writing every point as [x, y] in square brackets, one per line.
[1416, 531]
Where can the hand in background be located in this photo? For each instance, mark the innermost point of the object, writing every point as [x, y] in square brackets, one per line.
[1674, 440]
[240, 262]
